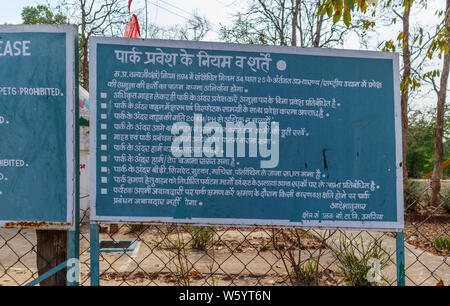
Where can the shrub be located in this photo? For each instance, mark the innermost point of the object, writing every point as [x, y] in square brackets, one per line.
[412, 193]
[201, 236]
[354, 260]
[178, 256]
[446, 199]
[305, 274]
[442, 242]
[288, 244]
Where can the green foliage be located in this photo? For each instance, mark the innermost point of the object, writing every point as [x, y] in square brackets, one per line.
[178, 256]
[305, 274]
[388, 46]
[420, 143]
[41, 14]
[201, 236]
[272, 22]
[440, 43]
[442, 242]
[213, 280]
[446, 199]
[354, 260]
[344, 9]
[288, 244]
[347, 18]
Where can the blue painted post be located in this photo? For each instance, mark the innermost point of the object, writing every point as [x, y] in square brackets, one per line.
[400, 246]
[48, 274]
[95, 254]
[74, 253]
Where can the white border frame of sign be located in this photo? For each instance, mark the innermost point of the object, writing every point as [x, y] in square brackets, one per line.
[71, 34]
[350, 225]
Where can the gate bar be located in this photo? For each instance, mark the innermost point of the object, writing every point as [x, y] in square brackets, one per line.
[400, 250]
[95, 253]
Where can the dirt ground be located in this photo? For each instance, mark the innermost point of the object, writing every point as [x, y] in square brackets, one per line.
[239, 257]
[422, 228]
[165, 256]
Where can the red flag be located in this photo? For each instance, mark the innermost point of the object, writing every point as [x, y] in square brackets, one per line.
[129, 4]
[132, 29]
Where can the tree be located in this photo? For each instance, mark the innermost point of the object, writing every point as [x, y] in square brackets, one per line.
[412, 48]
[195, 28]
[404, 85]
[291, 22]
[41, 14]
[420, 138]
[345, 8]
[441, 43]
[404, 41]
[109, 18]
[94, 17]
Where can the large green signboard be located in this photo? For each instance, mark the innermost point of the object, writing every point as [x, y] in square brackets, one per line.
[214, 133]
[37, 155]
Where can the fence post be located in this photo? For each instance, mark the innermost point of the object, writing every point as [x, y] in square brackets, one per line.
[400, 250]
[74, 235]
[74, 253]
[95, 253]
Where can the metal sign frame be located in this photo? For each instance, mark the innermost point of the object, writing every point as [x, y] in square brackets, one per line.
[352, 225]
[71, 148]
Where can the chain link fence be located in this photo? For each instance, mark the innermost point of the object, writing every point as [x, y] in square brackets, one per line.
[180, 254]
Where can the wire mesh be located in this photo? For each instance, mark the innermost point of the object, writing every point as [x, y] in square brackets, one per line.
[179, 254]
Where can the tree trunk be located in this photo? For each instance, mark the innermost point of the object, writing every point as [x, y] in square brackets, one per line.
[294, 23]
[85, 64]
[438, 148]
[282, 26]
[51, 251]
[84, 49]
[318, 33]
[405, 85]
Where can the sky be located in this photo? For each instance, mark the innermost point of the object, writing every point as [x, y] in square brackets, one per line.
[172, 12]
[160, 12]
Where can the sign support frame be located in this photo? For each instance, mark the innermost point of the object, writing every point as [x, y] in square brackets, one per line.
[72, 158]
[350, 225]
